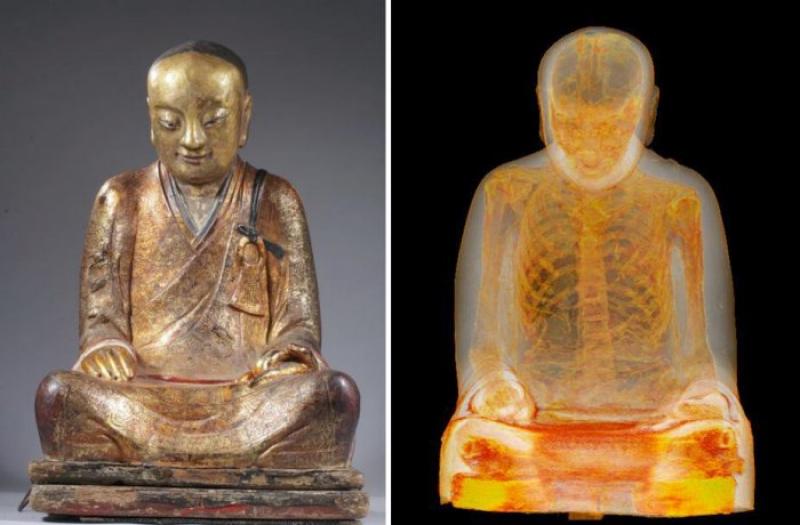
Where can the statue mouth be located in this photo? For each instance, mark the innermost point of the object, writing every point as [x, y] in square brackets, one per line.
[194, 159]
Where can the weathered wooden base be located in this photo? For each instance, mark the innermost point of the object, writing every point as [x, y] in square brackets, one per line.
[193, 521]
[94, 491]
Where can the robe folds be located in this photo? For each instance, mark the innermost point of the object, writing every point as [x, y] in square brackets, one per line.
[198, 305]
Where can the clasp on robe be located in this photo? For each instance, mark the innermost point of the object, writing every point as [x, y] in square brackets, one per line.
[252, 234]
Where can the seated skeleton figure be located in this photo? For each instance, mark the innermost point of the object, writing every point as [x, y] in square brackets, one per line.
[595, 335]
[199, 315]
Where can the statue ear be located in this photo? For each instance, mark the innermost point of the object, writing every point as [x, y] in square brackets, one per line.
[651, 117]
[152, 133]
[541, 115]
[247, 112]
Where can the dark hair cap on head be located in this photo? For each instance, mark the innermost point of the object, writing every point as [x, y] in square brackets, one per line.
[207, 47]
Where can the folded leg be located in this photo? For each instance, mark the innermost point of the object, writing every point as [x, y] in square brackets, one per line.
[297, 421]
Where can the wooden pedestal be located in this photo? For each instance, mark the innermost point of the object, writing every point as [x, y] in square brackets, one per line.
[99, 491]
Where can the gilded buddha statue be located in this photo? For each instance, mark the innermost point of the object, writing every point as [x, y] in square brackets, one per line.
[199, 314]
[595, 335]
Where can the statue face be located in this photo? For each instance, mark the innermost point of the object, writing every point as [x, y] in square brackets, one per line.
[595, 137]
[199, 115]
[597, 99]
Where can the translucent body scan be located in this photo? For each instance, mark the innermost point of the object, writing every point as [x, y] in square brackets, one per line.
[594, 314]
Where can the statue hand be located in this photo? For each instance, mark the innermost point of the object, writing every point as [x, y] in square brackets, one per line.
[285, 360]
[114, 363]
[503, 398]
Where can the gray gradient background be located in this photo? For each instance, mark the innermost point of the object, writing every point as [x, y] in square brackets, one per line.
[72, 114]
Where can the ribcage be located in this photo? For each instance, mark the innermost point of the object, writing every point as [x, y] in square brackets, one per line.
[592, 279]
[547, 277]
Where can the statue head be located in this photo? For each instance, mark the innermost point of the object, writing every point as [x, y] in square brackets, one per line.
[200, 110]
[598, 101]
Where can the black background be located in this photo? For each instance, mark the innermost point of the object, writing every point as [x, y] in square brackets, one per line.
[463, 102]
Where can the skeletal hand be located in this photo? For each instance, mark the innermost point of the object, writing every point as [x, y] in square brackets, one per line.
[114, 363]
[704, 400]
[503, 398]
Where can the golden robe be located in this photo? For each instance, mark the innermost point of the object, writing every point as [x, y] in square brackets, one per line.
[198, 305]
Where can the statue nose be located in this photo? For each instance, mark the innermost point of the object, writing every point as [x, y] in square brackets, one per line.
[193, 137]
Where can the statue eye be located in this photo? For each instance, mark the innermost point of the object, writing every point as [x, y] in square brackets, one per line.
[168, 124]
[213, 121]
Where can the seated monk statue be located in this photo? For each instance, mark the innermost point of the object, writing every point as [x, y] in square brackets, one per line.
[595, 336]
[199, 315]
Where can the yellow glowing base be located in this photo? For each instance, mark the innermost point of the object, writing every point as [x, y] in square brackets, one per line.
[688, 469]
